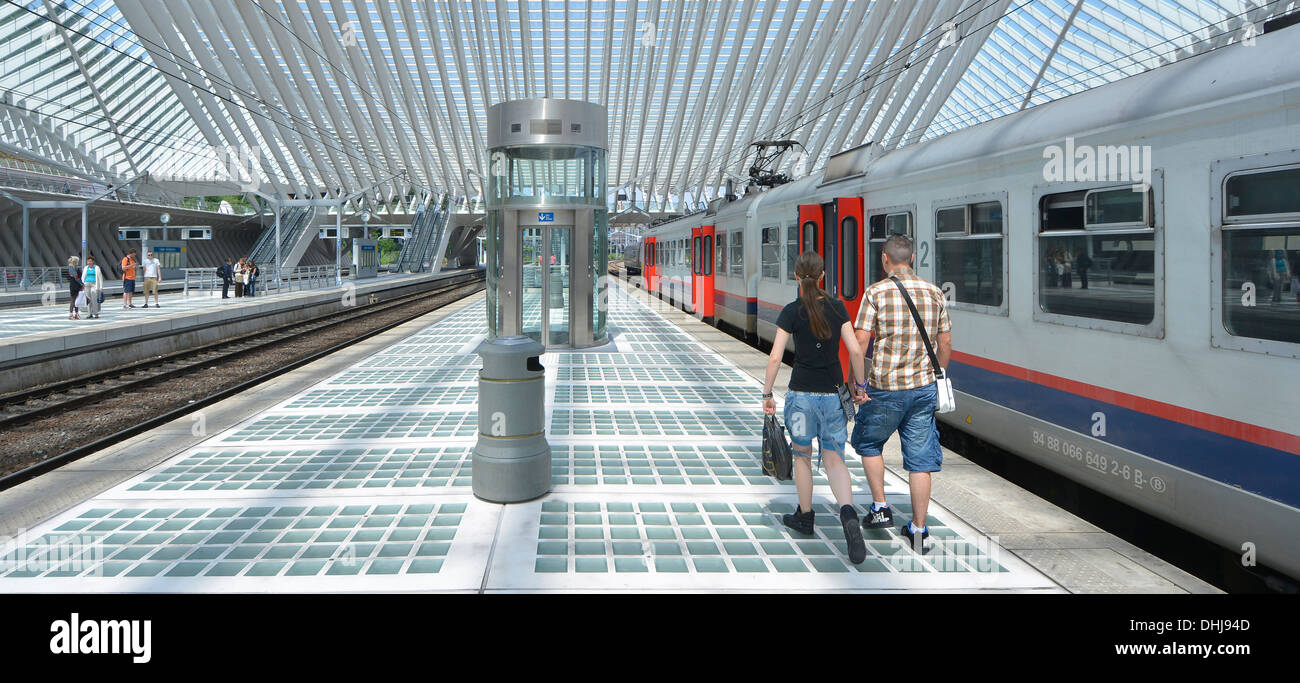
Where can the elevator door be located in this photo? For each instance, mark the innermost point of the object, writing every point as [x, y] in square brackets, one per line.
[546, 287]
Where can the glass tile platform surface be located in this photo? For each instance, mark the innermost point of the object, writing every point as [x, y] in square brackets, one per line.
[361, 482]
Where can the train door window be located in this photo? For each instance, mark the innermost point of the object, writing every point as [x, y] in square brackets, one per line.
[737, 265]
[881, 225]
[707, 257]
[771, 253]
[692, 251]
[696, 244]
[809, 237]
[849, 258]
[1261, 255]
[791, 250]
[721, 269]
[1097, 255]
[969, 256]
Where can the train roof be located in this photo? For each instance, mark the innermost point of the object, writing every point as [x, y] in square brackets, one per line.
[1235, 71]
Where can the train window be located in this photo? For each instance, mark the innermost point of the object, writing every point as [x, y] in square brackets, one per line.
[1261, 283]
[849, 258]
[809, 237]
[1110, 276]
[707, 256]
[1115, 207]
[695, 255]
[791, 250]
[722, 255]
[771, 253]
[969, 263]
[951, 220]
[737, 265]
[882, 225]
[1263, 193]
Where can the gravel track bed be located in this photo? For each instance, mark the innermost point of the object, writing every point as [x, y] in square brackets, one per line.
[36, 441]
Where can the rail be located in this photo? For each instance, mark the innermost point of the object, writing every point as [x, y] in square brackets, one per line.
[206, 281]
[19, 279]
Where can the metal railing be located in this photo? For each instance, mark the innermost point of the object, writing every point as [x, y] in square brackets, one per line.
[17, 279]
[206, 281]
[57, 182]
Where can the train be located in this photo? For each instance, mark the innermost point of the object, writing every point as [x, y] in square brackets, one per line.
[1120, 266]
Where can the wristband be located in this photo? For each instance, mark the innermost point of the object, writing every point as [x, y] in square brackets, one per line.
[860, 385]
[767, 396]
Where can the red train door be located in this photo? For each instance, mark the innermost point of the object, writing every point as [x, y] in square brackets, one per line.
[810, 228]
[849, 279]
[649, 265]
[702, 270]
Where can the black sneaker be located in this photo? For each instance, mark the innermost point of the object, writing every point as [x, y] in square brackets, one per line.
[853, 534]
[799, 520]
[917, 544]
[878, 519]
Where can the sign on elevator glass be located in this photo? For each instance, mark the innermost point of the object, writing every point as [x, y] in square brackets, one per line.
[545, 216]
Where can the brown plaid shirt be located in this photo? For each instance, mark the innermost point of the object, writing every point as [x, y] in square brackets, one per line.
[899, 360]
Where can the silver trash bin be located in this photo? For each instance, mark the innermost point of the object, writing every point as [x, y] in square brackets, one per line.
[512, 460]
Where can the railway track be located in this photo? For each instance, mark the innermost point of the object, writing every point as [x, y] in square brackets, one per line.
[28, 408]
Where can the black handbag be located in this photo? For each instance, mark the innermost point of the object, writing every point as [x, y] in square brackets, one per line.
[778, 460]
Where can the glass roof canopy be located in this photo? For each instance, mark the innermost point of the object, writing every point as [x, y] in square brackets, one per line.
[340, 97]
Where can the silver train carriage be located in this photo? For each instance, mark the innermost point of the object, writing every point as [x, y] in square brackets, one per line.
[1121, 267]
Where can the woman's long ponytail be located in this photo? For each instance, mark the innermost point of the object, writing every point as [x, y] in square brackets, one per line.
[808, 269]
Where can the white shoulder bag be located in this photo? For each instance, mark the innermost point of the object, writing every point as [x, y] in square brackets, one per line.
[947, 401]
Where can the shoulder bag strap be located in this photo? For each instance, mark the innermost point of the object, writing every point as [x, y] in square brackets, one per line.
[934, 360]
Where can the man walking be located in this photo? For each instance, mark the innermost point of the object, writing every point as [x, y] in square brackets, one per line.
[128, 279]
[900, 385]
[152, 274]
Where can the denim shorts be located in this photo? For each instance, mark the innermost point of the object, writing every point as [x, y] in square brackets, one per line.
[815, 415]
[910, 412]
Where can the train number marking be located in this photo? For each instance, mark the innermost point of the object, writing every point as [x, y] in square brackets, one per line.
[1098, 462]
[925, 255]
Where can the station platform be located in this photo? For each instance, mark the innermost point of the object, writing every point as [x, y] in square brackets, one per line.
[352, 474]
[47, 347]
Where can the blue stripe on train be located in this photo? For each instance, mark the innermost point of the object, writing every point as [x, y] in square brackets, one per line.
[735, 303]
[1259, 469]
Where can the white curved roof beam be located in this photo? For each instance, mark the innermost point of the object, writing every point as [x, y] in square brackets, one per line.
[426, 87]
[697, 45]
[90, 83]
[968, 48]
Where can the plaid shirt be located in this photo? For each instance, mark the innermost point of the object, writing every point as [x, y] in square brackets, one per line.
[900, 361]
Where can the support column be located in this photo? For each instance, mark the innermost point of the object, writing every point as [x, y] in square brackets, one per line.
[27, 262]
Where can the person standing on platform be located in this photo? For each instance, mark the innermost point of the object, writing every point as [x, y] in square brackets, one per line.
[1279, 274]
[251, 290]
[128, 279]
[227, 275]
[75, 286]
[818, 324]
[901, 385]
[93, 279]
[239, 278]
[152, 274]
[1082, 262]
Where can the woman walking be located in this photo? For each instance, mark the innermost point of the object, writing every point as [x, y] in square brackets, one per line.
[93, 278]
[818, 324]
[74, 287]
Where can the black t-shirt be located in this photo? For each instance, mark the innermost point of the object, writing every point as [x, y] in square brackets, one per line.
[816, 361]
